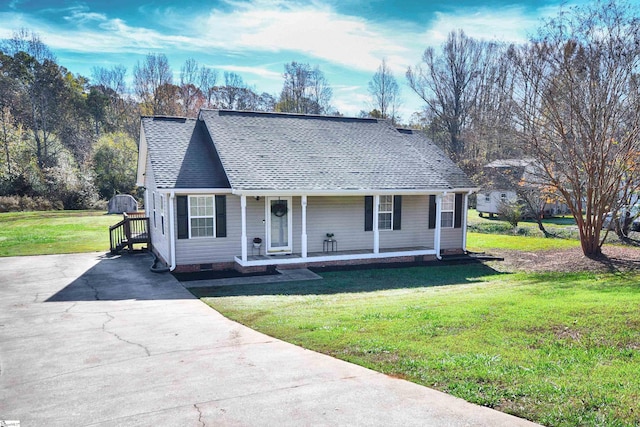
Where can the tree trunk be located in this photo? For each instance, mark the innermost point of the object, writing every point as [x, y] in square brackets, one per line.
[541, 226]
[591, 247]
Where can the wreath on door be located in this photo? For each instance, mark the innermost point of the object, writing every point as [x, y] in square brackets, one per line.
[279, 209]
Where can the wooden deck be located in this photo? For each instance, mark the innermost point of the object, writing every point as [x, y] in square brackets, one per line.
[132, 230]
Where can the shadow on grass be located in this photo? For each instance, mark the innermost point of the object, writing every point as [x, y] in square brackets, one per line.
[360, 280]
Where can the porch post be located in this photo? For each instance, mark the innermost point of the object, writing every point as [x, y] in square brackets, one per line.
[243, 216]
[172, 233]
[303, 238]
[376, 233]
[465, 209]
[436, 234]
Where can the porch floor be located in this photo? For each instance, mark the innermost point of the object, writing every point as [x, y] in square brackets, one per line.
[273, 257]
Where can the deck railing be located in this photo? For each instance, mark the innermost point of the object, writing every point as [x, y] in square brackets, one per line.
[133, 229]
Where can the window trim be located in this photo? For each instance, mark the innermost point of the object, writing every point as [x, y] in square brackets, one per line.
[385, 212]
[162, 212]
[190, 217]
[396, 213]
[153, 197]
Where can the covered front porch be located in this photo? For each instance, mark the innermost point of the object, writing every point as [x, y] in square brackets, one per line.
[304, 220]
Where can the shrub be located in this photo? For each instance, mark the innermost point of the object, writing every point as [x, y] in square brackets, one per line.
[26, 203]
[511, 212]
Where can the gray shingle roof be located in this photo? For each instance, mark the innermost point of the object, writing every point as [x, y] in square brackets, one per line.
[181, 154]
[272, 151]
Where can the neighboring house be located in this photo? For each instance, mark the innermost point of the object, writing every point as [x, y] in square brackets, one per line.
[504, 177]
[216, 183]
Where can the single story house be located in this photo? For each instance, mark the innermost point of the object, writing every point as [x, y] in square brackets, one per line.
[312, 190]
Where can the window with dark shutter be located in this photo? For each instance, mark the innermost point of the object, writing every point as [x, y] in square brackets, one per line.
[432, 211]
[457, 223]
[368, 213]
[397, 212]
[182, 217]
[221, 216]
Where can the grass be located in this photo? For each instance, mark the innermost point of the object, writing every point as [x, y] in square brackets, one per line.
[486, 233]
[559, 349]
[485, 242]
[54, 232]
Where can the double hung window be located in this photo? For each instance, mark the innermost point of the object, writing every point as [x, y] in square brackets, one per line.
[385, 213]
[201, 216]
[448, 207]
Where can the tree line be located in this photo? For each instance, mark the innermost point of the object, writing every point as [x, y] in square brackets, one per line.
[69, 141]
[569, 98]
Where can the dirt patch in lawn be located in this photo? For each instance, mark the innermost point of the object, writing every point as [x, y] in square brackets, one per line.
[615, 258]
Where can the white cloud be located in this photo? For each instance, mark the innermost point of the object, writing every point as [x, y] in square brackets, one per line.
[511, 24]
[314, 30]
[257, 71]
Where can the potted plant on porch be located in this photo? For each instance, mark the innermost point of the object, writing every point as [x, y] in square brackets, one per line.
[330, 236]
[257, 242]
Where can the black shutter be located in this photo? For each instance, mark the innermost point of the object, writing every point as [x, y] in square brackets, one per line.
[182, 217]
[397, 212]
[368, 213]
[221, 216]
[432, 211]
[457, 222]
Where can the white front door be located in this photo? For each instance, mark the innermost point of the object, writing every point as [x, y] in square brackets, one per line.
[279, 225]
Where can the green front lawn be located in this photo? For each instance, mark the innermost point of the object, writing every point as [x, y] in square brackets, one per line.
[54, 232]
[560, 349]
[485, 242]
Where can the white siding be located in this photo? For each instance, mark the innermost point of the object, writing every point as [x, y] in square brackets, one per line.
[451, 238]
[159, 241]
[342, 216]
[492, 205]
[414, 227]
[204, 250]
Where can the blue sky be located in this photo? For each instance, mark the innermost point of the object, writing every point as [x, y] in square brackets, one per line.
[255, 38]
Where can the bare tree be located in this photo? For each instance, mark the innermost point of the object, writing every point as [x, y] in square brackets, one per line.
[448, 84]
[25, 40]
[385, 92]
[305, 90]
[110, 83]
[578, 99]
[207, 80]
[191, 97]
[151, 79]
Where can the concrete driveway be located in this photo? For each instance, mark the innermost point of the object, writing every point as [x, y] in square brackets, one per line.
[87, 339]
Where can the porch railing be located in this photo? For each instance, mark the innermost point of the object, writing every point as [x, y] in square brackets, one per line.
[133, 229]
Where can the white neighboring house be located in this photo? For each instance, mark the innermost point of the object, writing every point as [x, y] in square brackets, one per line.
[506, 175]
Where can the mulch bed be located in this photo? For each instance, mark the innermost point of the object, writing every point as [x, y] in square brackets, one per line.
[616, 258]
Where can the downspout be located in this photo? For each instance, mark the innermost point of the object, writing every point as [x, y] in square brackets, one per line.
[172, 235]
